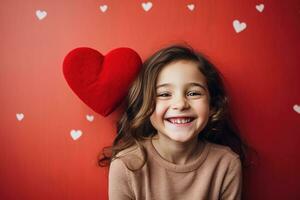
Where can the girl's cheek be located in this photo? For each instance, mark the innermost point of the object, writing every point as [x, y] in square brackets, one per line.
[202, 107]
[161, 108]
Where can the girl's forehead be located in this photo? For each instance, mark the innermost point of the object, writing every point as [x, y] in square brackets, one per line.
[180, 72]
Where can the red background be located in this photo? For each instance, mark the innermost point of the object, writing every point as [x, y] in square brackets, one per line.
[40, 160]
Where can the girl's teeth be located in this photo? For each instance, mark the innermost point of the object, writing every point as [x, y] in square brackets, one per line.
[180, 121]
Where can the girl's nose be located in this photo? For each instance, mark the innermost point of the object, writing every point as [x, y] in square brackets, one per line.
[180, 103]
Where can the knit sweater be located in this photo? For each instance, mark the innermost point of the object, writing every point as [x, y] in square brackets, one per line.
[215, 174]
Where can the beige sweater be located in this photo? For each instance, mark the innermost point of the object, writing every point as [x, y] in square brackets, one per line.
[215, 174]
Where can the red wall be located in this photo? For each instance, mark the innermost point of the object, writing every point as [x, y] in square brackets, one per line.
[40, 160]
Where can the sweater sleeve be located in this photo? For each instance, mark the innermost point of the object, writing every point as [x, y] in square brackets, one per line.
[232, 185]
[119, 187]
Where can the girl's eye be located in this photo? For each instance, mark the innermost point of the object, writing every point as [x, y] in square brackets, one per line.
[194, 94]
[163, 95]
[188, 94]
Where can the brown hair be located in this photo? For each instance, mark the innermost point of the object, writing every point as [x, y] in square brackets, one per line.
[135, 125]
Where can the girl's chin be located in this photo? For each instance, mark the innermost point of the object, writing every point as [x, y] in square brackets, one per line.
[180, 131]
[181, 139]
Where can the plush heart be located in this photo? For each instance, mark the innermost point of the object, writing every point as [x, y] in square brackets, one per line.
[101, 82]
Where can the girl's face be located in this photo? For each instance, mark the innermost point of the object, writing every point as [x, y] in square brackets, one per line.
[182, 102]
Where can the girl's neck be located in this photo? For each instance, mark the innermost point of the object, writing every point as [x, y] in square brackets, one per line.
[176, 152]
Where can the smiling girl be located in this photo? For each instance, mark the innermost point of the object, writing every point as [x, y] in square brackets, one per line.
[176, 139]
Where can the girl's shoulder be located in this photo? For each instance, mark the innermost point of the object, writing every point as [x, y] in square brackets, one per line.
[128, 151]
[221, 152]
[132, 157]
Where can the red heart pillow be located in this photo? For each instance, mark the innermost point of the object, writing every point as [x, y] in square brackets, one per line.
[101, 82]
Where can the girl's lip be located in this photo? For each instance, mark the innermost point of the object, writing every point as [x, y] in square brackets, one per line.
[180, 117]
[181, 125]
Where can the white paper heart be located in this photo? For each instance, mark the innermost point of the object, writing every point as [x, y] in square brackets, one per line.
[147, 6]
[191, 7]
[260, 7]
[103, 8]
[20, 116]
[76, 134]
[296, 108]
[90, 118]
[238, 26]
[41, 14]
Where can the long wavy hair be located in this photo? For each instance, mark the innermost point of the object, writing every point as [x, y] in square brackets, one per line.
[135, 126]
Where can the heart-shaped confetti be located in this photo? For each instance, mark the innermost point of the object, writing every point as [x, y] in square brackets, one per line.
[260, 7]
[238, 26]
[147, 6]
[296, 108]
[191, 7]
[103, 8]
[40, 14]
[20, 116]
[76, 134]
[90, 118]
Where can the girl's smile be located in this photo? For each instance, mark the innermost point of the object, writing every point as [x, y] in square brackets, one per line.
[180, 122]
[182, 102]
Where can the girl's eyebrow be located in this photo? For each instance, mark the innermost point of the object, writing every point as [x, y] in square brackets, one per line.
[188, 84]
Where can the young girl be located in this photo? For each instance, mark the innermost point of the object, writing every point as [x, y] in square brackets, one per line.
[176, 139]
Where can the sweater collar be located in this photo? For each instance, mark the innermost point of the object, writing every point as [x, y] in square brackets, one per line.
[153, 154]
